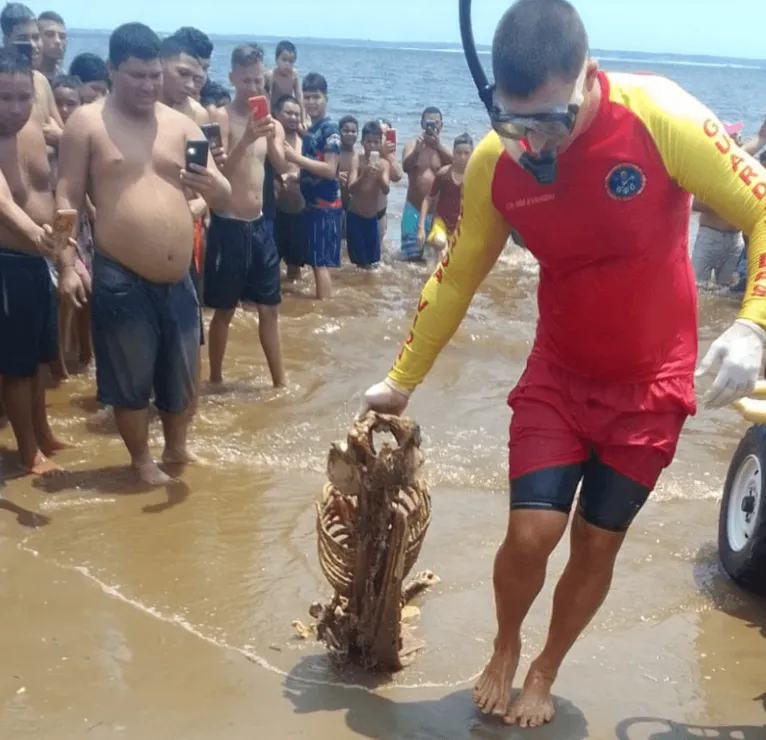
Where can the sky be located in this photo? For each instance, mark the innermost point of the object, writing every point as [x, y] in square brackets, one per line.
[714, 27]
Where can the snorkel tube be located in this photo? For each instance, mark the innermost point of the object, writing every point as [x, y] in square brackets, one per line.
[541, 166]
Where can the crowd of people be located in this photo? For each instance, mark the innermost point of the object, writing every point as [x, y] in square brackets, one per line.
[157, 240]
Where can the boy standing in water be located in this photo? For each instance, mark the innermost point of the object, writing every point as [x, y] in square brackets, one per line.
[28, 333]
[422, 159]
[288, 226]
[319, 184]
[444, 200]
[283, 79]
[349, 133]
[388, 152]
[367, 181]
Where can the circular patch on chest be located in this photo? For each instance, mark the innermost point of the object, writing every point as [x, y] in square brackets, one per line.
[625, 181]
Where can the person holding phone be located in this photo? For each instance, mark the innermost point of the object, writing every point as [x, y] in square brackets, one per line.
[421, 160]
[242, 262]
[145, 313]
[395, 172]
[28, 320]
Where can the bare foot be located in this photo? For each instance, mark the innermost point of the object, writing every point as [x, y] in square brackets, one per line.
[52, 445]
[492, 693]
[181, 457]
[41, 465]
[534, 707]
[149, 472]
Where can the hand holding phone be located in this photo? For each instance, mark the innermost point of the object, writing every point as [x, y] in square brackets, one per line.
[212, 133]
[391, 137]
[259, 107]
[197, 151]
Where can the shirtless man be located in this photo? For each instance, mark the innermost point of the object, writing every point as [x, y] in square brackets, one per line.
[242, 263]
[422, 159]
[53, 35]
[128, 154]
[182, 77]
[202, 46]
[288, 227]
[91, 69]
[369, 179]
[28, 331]
[349, 135]
[19, 26]
[388, 152]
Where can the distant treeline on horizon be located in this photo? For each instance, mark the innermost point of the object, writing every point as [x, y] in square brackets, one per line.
[450, 46]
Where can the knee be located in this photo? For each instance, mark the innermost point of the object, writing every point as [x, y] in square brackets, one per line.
[440, 241]
[533, 535]
[594, 550]
[268, 313]
[221, 317]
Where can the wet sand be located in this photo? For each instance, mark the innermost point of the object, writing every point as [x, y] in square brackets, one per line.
[167, 614]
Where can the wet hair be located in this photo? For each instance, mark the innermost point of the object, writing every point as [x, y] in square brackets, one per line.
[133, 40]
[386, 122]
[371, 128]
[535, 41]
[347, 119]
[12, 62]
[197, 40]
[280, 104]
[15, 14]
[172, 47]
[212, 92]
[67, 81]
[89, 68]
[246, 55]
[463, 140]
[287, 46]
[52, 16]
[315, 83]
[430, 111]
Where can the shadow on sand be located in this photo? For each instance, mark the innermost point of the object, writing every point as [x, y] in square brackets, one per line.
[451, 717]
[651, 728]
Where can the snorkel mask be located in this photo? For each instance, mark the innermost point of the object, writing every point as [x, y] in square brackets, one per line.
[553, 125]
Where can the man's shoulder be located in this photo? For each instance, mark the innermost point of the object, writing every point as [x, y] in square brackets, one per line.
[86, 118]
[168, 116]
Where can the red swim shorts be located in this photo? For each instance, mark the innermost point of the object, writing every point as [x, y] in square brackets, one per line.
[561, 419]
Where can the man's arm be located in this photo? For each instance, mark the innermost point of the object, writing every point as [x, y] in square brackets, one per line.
[396, 173]
[276, 150]
[327, 170]
[410, 155]
[53, 126]
[353, 174]
[385, 177]
[72, 186]
[703, 159]
[444, 154]
[478, 242]
[15, 219]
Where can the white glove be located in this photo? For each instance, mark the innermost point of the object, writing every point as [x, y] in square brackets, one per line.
[385, 397]
[739, 350]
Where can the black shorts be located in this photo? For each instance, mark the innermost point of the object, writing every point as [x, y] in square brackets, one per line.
[241, 263]
[290, 237]
[608, 499]
[28, 314]
[197, 283]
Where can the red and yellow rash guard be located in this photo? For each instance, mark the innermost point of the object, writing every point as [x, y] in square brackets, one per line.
[616, 297]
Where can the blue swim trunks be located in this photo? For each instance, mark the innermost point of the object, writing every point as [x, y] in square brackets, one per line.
[363, 239]
[322, 231]
[145, 338]
[28, 314]
[409, 250]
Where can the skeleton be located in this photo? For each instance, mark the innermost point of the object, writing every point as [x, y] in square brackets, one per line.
[371, 521]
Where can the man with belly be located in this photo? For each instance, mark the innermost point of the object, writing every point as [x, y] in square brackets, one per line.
[128, 154]
[594, 172]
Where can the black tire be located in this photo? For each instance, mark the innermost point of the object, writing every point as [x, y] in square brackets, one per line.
[746, 566]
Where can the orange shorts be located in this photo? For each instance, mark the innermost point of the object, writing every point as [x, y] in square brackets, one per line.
[561, 419]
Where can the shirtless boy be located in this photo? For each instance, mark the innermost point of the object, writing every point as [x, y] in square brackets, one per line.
[387, 152]
[445, 198]
[368, 180]
[91, 69]
[202, 47]
[288, 226]
[242, 263]
[283, 79]
[28, 332]
[19, 25]
[319, 184]
[182, 76]
[422, 160]
[349, 134]
[53, 36]
[128, 154]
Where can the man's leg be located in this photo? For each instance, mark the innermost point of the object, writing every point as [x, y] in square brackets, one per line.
[268, 333]
[540, 504]
[46, 440]
[217, 339]
[608, 503]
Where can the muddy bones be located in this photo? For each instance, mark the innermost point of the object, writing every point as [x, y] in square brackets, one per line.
[371, 522]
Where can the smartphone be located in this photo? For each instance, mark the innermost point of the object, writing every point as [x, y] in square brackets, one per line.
[430, 127]
[196, 152]
[212, 133]
[259, 106]
[391, 136]
[374, 157]
[24, 48]
[64, 223]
